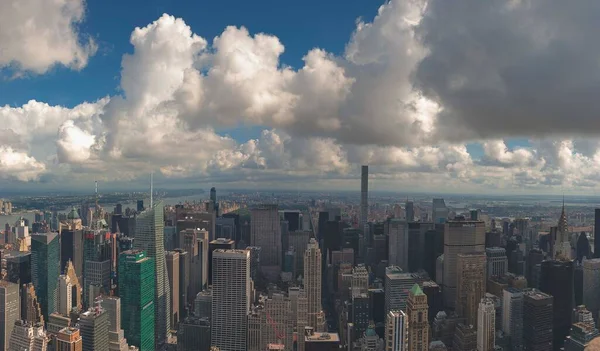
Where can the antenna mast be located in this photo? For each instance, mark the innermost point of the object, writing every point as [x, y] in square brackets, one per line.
[96, 195]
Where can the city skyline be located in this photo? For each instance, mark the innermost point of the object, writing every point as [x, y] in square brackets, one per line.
[87, 104]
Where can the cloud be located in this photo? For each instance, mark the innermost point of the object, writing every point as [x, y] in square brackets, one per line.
[18, 165]
[36, 35]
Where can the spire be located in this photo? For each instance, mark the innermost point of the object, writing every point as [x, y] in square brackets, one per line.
[562, 222]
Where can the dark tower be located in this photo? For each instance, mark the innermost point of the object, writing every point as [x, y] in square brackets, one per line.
[537, 320]
[597, 233]
[557, 279]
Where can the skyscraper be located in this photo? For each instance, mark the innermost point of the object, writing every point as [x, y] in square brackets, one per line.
[497, 262]
[396, 331]
[65, 295]
[173, 273]
[230, 299]
[486, 325]
[97, 264]
[364, 196]
[94, 325]
[581, 336]
[398, 243]
[312, 282]
[512, 316]
[27, 336]
[137, 280]
[410, 211]
[470, 285]
[116, 335]
[397, 286]
[265, 231]
[460, 236]
[591, 285]
[30, 306]
[439, 211]
[556, 279]
[69, 339]
[45, 269]
[149, 232]
[9, 311]
[418, 321]
[597, 233]
[537, 320]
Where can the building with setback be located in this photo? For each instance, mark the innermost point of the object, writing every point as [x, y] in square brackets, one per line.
[460, 236]
[149, 232]
[69, 339]
[231, 299]
[173, 274]
[418, 322]
[312, 282]
[470, 284]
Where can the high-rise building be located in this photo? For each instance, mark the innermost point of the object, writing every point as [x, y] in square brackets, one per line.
[69, 339]
[597, 233]
[76, 288]
[31, 310]
[9, 311]
[173, 273]
[312, 281]
[397, 286]
[410, 211]
[398, 243]
[591, 284]
[364, 196]
[512, 316]
[415, 254]
[360, 280]
[582, 314]
[116, 335]
[195, 242]
[470, 285]
[497, 262]
[465, 338]
[94, 325]
[460, 236]
[219, 243]
[97, 264]
[396, 331]
[556, 279]
[65, 295]
[266, 232]
[486, 325]
[27, 336]
[193, 334]
[418, 322]
[149, 232]
[137, 280]
[45, 269]
[230, 299]
[184, 281]
[439, 211]
[581, 336]
[18, 267]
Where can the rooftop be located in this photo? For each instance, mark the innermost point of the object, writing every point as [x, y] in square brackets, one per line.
[323, 337]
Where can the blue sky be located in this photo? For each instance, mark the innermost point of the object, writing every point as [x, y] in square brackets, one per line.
[300, 25]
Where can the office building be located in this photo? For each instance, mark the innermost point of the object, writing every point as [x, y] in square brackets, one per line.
[97, 264]
[465, 338]
[184, 281]
[397, 286]
[9, 311]
[312, 281]
[360, 315]
[173, 274]
[512, 316]
[434, 298]
[591, 284]
[219, 243]
[56, 322]
[439, 211]
[266, 232]
[398, 243]
[31, 310]
[537, 320]
[418, 322]
[278, 322]
[470, 285]
[486, 325]
[364, 197]
[149, 227]
[18, 267]
[94, 325]
[315, 341]
[434, 247]
[582, 314]
[231, 299]
[27, 336]
[556, 279]
[137, 280]
[460, 236]
[195, 243]
[45, 269]
[116, 335]
[396, 331]
[193, 334]
[415, 232]
[69, 339]
[410, 211]
[497, 262]
[65, 295]
[360, 280]
[580, 337]
[597, 233]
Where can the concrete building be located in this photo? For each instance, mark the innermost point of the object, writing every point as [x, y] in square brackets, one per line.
[396, 331]
[31, 310]
[315, 341]
[418, 321]
[364, 197]
[194, 334]
[486, 325]
[497, 262]
[116, 335]
[45, 269]
[470, 285]
[537, 320]
[174, 283]
[465, 338]
[94, 326]
[591, 282]
[9, 311]
[580, 337]
[69, 339]
[231, 299]
[65, 295]
[460, 236]
[312, 282]
[557, 279]
[265, 231]
[398, 243]
[149, 233]
[360, 280]
[397, 286]
[512, 316]
[27, 336]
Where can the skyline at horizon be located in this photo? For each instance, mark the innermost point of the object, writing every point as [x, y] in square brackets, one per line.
[242, 101]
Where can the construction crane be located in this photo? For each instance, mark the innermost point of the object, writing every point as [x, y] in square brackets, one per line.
[280, 335]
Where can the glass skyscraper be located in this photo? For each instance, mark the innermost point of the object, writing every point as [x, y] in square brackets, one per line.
[45, 269]
[136, 290]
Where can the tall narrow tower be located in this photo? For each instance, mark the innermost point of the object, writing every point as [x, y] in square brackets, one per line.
[45, 269]
[486, 325]
[149, 233]
[417, 310]
[396, 332]
[470, 288]
[312, 281]
[364, 196]
[265, 232]
[9, 311]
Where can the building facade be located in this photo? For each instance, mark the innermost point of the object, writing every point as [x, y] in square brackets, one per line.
[537, 321]
[9, 311]
[312, 282]
[470, 285]
[396, 331]
[418, 320]
[45, 269]
[486, 325]
[265, 231]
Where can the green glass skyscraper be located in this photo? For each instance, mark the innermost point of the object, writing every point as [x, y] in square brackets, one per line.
[149, 235]
[45, 269]
[136, 289]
